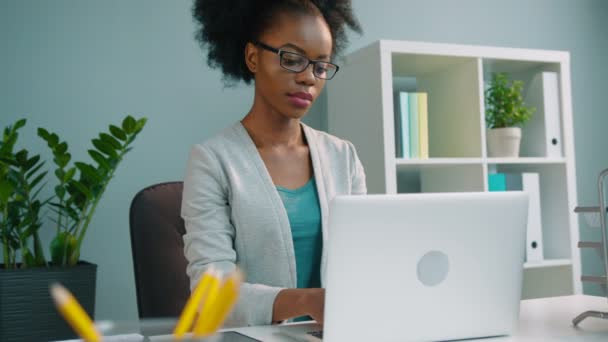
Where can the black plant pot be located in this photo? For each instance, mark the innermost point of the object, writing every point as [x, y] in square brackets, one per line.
[27, 311]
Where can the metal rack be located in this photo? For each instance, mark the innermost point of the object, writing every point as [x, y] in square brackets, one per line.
[596, 217]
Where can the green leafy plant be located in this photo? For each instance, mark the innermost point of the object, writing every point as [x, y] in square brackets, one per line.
[82, 185]
[79, 189]
[505, 106]
[20, 184]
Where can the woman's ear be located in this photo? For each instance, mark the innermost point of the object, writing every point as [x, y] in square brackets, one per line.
[251, 57]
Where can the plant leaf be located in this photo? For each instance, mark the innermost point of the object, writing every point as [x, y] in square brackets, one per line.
[89, 172]
[32, 172]
[61, 148]
[82, 189]
[118, 133]
[35, 195]
[69, 175]
[6, 188]
[19, 124]
[9, 161]
[37, 179]
[100, 159]
[128, 124]
[43, 133]
[110, 140]
[62, 160]
[21, 157]
[59, 173]
[53, 140]
[139, 125]
[104, 147]
[31, 162]
[59, 191]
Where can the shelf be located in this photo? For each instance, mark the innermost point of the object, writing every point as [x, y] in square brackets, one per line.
[548, 263]
[437, 161]
[414, 65]
[526, 160]
[455, 78]
[491, 65]
[470, 161]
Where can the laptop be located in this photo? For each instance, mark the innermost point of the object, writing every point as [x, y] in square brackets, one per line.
[422, 267]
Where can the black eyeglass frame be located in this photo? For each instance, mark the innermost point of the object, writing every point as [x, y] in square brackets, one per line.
[314, 63]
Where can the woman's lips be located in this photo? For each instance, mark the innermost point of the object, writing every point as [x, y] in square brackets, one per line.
[300, 99]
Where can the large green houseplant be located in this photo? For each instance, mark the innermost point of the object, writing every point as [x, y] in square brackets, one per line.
[20, 183]
[78, 187]
[505, 113]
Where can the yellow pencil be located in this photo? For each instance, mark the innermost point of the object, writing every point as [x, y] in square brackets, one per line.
[74, 314]
[223, 303]
[205, 304]
[187, 317]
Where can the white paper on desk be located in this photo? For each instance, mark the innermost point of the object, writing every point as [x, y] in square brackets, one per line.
[117, 338]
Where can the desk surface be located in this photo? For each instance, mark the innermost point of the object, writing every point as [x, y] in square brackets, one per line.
[546, 319]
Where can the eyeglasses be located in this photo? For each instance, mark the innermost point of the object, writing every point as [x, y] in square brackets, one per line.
[297, 63]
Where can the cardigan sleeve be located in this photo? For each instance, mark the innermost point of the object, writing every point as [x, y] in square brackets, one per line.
[357, 174]
[210, 234]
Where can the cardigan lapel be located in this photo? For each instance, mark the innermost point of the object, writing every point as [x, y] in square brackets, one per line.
[273, 196]
[321, 191]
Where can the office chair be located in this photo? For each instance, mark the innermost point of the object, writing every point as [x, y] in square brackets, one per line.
[158, 250]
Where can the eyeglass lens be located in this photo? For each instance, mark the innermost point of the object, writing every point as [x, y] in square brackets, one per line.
[297, 63]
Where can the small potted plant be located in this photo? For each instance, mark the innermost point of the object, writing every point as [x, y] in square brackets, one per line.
[506, 112]
[25, 273]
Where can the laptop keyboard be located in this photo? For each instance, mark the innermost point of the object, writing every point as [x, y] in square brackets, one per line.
[317, 334]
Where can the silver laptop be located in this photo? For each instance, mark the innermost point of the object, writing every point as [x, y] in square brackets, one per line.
[422, 267]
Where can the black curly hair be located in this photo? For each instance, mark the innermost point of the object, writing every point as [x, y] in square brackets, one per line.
[224, 27]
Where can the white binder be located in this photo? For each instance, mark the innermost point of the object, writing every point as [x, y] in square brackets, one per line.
[542, 134]
[529, 182]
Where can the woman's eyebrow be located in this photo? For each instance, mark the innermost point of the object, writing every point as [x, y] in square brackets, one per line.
[300, 50]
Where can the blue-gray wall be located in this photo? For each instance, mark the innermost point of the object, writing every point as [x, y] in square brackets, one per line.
[76, 66]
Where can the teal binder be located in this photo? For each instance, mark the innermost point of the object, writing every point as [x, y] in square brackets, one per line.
[497, 182]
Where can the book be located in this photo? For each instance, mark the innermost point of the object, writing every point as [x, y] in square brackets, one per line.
[541, 136]
[402, 125]
[414, 126]
[397, 121]
[423, 126]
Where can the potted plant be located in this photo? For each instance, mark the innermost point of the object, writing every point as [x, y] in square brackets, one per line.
[506, 112]
[25, 273]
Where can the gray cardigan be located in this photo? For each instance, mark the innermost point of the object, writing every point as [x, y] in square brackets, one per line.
[234, 214]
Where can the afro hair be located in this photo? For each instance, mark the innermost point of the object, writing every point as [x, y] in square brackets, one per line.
[224, 27]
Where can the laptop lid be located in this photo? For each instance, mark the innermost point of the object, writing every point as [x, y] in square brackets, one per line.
[432, 266]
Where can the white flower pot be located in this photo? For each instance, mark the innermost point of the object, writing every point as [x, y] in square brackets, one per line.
[504, 142]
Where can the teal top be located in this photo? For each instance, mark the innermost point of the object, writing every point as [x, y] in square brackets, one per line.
[304, 214]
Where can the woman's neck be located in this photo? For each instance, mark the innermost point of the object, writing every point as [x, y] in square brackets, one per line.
[273, 130]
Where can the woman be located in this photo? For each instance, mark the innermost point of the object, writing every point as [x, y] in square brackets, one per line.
[257, 194]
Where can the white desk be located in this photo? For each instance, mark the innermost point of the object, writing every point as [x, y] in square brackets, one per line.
[547, 319]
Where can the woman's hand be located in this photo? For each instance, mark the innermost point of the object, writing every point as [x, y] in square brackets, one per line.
[291, 303]
[315, 304]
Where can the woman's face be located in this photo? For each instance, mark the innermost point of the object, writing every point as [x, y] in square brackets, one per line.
[285, 92]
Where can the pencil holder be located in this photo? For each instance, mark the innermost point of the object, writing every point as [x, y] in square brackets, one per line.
[596, 217]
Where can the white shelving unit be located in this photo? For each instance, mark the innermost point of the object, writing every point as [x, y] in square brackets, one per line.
[361, 109]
